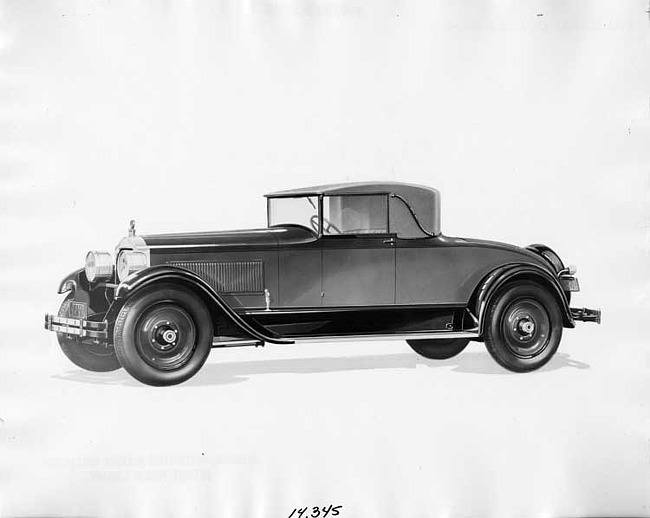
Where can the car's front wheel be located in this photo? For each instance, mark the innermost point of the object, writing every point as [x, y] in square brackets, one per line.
[523, 327]
[84, 352]
[163, 335]
[438, 349]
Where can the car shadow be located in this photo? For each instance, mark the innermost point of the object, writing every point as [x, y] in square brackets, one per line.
[236, 372]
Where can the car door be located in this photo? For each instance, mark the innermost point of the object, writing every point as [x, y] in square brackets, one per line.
[358, 251]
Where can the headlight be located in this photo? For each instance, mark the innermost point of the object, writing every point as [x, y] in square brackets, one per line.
[129, 262]
[99, 265]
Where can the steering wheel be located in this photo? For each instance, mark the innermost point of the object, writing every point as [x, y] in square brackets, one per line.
[328, 226]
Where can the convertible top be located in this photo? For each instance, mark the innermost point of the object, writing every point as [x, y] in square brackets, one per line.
[424, 201]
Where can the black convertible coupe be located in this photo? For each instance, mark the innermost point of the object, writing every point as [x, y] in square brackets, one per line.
[355, 260]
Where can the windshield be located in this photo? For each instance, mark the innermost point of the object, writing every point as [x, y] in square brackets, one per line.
[294, 211]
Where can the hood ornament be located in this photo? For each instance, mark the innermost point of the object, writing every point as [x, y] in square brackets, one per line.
[132, 228]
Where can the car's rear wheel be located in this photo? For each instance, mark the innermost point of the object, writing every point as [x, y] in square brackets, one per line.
[84, 352]
[163, 335]
[523, 327]
[438, 349]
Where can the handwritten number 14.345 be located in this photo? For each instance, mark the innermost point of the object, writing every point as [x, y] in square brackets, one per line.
[316, 512]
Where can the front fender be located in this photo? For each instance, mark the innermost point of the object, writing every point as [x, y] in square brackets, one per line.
[163, 273]
[500, 276]
[73, 281]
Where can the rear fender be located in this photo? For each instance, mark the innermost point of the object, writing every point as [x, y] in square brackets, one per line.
[164, 273]
[491, 284]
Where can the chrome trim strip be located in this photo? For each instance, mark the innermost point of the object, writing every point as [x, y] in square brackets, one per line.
[212, 245]
[229, 343]
[340, 309]
[411, 336]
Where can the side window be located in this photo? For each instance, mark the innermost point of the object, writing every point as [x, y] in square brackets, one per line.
[350, 214]
[402, 222]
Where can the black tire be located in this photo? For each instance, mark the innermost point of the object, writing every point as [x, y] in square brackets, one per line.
[83, 352]
[523, 327]
[163, 335]
[441, 349]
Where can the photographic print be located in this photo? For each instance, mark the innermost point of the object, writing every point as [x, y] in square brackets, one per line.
[317, 258]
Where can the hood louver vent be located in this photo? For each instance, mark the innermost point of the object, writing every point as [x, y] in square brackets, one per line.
[230, 277]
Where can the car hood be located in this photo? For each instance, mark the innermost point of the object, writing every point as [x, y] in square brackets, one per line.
[266, 237]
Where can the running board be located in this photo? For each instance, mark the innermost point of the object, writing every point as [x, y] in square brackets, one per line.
[442, 335]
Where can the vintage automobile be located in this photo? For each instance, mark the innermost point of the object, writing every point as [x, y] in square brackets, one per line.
[343, 261]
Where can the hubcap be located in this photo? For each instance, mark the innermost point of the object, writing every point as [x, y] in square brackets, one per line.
[526, 327]
[169, 336]
[165, 336]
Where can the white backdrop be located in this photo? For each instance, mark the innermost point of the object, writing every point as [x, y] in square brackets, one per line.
[531, 118]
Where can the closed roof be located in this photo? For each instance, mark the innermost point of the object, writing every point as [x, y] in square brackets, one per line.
[424, 201]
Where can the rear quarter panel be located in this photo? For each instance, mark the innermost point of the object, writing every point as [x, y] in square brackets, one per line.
[446, 271]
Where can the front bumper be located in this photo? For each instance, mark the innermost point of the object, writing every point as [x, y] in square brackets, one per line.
[586, 315]
[77, 327]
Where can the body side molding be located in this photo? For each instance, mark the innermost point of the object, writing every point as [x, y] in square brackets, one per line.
[159, 273]
[498, 277]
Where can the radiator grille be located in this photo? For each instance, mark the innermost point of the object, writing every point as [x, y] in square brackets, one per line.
[231, 277]
[78, 310]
